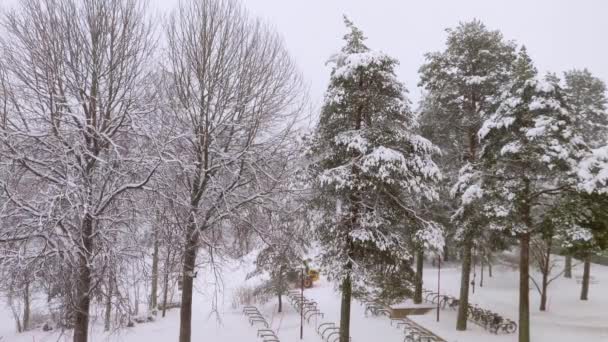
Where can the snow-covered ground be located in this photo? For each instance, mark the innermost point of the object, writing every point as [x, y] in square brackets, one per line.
[567, 319]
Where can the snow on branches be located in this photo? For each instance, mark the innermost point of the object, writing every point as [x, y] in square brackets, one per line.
[593, 171]
[372, 172]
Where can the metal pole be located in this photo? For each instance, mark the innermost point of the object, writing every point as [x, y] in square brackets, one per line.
[302, 307]
[438, 284]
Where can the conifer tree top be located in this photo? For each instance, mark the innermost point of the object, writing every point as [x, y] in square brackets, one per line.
[524, 68]
[354, 39]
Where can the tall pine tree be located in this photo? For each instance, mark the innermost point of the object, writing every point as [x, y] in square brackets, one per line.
[585, 233]
[462, 84]
[530, 153]
[371, 171]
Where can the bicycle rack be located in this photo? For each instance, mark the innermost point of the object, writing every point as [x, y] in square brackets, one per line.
[413, 332]
[331, 330]
[254, 316]
[337, 332]
[324, 324]
[310, 309]
[259, 320]
[314, 313]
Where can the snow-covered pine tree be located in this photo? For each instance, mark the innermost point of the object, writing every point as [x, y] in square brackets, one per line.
[584, 225]
[581, 222]
[586, 95]
[370, 172]
[529, 154]
[462, 84]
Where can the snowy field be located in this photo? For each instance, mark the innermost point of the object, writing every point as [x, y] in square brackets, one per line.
[567, 319]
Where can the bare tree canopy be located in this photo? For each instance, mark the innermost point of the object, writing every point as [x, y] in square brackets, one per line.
[76, 79]
[234, 95]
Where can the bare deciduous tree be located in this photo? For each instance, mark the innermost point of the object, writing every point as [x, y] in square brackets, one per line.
[78, 91]
[234, 95]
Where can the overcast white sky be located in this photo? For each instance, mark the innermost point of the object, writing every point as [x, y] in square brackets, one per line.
[559, 34]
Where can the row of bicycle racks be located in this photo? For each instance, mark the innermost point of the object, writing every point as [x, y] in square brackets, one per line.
[412, 331]
[489, 320]
[328, 331]
[255, 317]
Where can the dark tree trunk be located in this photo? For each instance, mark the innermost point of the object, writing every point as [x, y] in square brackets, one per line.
[524, 288]
[446, 253]
[463, 305]
[18, 323]
[185, 326]
[586, 275]
[136, 295]
[419, 270]
[474, 263]
[106, 326]
[481, 279]
[154, 285]
[166, 280]
[568, 267]
[280, 303]
[543, 294]
[546, 270]
[15, 312]
[83, 287]
[489, 269]
[26, 306]
[345, 310]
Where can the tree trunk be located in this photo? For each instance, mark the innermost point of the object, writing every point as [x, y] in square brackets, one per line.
[106, 326]
[446, 253]
[185, 326]
[463, 305]
[481, 279]
[14, 311]
[419, 270]
[586, 275]
[26, 302]
[474, 263]
[154, 285]
[490, 269]
[280, 304]
[345, 310]
[568, 267]
[83, 287]
[524, 288]
[136, 301]
[546, 269]
[166, 281]
[26, 306]
[543, 294]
